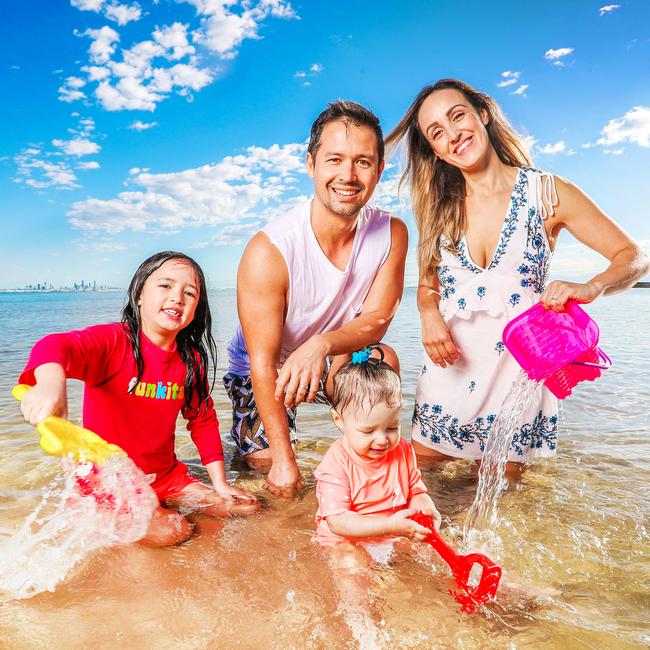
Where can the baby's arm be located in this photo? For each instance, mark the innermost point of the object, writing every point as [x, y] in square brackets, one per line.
[424, 503]
[48, 396]
[353, 525]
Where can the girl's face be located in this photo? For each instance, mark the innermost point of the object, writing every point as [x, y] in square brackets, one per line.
[454, 129]
[168, 301]
[372, 433]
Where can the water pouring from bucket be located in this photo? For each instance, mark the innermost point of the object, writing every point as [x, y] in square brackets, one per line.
[558, 349]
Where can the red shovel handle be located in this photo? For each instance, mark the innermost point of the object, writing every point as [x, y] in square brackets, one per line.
[461, 565]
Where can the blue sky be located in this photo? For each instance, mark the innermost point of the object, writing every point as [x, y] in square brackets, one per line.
[130, 127]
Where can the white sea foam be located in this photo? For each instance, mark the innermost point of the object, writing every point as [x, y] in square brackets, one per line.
[84, 508]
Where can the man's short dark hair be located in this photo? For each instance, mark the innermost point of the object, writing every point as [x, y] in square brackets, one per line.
[347, 112]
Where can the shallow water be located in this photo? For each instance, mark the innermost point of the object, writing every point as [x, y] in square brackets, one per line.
[575, 527]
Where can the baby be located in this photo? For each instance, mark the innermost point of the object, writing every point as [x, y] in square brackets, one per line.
[368, 483]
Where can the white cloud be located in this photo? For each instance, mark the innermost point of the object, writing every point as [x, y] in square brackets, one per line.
[614, 152]
[137, 125]
[509, 78]
[607, 9]
[222, 30]
[556, 56]
[139, 77]
[634, 126]
[174, 39]
[314, 70]
[521, 90]
[87, 5]
[36, 171]
[103, 43]
[77, 146]
[91, 164]
[237, 189]
[552, 149]
[122, 14]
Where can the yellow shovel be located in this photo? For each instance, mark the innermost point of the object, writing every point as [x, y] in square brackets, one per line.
[61, 437]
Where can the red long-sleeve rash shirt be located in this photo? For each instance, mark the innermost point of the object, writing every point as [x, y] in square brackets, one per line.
[142, 422]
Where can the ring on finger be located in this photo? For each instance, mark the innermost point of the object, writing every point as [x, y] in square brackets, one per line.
[303, 387]
[553, 298]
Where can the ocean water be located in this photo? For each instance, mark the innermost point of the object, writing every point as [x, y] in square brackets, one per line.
[573, 531]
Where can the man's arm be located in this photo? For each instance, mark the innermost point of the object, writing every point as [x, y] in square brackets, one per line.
[304, 367]
[262, 285]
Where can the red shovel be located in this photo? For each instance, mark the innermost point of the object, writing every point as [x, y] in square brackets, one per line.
[461, 567]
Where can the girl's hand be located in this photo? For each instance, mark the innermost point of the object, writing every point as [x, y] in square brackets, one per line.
[44, 399]
[401, 524]
[238, 501]
[437, 340]
[228, 491]
[558, 292]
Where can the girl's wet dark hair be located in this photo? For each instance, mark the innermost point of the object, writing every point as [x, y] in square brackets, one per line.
[194, 342]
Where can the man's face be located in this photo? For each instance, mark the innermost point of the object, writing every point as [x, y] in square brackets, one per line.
[345, 168]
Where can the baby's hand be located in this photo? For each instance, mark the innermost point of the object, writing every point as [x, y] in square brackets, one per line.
[434, 514]
[401, 524]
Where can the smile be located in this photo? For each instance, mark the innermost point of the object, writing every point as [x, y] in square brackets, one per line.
[342, 192]
[463, 145]
[172, 313]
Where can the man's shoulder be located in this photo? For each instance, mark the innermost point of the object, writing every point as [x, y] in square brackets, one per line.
[287, 223]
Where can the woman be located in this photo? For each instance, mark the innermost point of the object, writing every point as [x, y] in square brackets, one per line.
[467, 168]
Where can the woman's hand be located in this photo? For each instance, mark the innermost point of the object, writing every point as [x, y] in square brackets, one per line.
[437, 340]
[558, 292]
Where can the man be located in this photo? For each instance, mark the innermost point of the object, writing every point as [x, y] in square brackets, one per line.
[314, 286]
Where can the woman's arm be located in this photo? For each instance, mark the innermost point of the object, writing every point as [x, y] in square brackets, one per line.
[353, 525]
[48, 396]
[436, 338]
[590, 225]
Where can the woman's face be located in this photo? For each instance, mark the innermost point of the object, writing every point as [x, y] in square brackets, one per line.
[454, 129]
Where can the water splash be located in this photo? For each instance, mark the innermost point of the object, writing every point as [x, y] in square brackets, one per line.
[482, 515]
[84, 508]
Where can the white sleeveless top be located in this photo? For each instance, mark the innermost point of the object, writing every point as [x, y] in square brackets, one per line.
[321, 297]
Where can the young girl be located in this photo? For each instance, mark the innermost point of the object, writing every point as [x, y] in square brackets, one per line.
[138, 374]
[368, 483]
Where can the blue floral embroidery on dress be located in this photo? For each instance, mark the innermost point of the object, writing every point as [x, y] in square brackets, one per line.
[424, 371]
[500, 347]
[510, 222]
[447, 281]
[442, 427]
[464, 260]
[462, 303]
[480, 292]
[541, 432]
[472, 386]
[536, 256]
[514, 299]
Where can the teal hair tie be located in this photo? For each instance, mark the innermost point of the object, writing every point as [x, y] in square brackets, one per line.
[361, 356]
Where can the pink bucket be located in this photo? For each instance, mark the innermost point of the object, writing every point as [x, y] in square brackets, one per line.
[557, 347]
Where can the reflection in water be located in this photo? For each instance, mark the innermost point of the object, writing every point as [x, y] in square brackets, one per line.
[573, 530]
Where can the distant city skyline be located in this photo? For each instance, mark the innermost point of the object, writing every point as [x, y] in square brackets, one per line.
[136, 127]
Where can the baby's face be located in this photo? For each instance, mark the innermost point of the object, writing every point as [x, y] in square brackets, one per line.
[372, 433]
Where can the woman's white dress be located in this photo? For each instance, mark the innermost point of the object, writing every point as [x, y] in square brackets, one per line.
[455, 406]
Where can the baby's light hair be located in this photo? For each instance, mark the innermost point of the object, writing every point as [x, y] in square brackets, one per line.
[366, 384]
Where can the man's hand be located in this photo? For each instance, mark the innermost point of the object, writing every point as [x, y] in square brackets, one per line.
[299, 377]
[284, 479]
